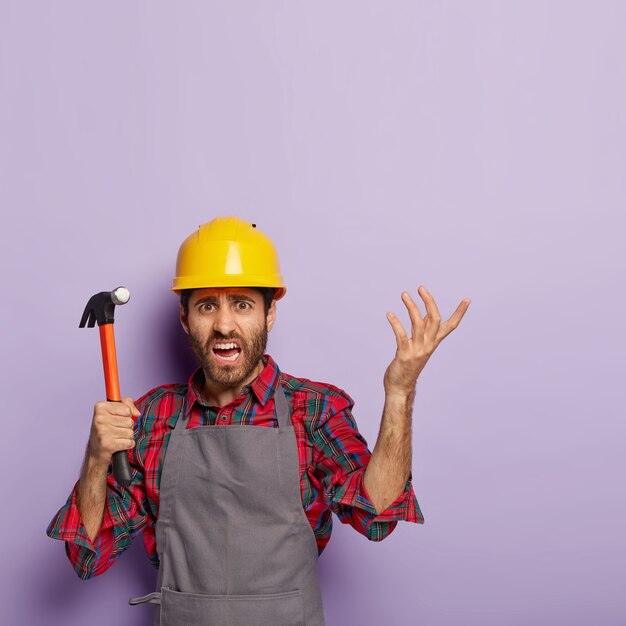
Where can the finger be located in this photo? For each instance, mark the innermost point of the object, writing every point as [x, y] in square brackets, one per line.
[455, 319]
[121, 433]
[434, 316]
[113, 408]
[105, 428]
[417, 323]
[106, 420]
[122, 444]
[114, 445]
[429, 302]
[131, 405]
[110, 444]
[117, 421]
[401, 337]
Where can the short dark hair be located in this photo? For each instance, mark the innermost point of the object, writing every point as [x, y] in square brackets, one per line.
[266, 292]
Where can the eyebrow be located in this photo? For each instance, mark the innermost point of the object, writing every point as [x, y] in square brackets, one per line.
[232, 297]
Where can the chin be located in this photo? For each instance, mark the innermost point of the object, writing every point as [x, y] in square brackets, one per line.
[227, 375]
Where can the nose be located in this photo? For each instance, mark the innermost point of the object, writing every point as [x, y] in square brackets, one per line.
[224, 321]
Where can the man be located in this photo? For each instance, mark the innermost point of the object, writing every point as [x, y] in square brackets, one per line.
[235, 475]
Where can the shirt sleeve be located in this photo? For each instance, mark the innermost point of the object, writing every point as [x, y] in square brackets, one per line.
[343, 456]
[124, 517]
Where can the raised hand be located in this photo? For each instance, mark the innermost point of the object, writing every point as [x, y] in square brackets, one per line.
[427, 333]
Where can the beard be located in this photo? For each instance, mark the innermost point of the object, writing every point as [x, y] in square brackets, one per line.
[252, 349]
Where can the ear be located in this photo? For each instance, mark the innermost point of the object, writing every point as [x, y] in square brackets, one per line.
[183, 319]
[271, 316]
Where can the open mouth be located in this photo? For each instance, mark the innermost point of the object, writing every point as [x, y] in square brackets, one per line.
[227, 351]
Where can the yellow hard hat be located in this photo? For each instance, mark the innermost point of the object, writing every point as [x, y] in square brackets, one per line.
[228, 252]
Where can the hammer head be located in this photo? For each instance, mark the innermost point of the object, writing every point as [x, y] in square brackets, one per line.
[101, 307]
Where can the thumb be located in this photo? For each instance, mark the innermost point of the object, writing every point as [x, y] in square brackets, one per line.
[131, 405]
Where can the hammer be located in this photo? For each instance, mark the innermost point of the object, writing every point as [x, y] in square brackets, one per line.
[100, 308]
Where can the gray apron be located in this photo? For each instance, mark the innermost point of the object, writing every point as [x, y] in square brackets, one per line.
[234, 543]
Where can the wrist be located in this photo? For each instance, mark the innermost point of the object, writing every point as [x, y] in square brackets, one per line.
[399, 393]
[95, 464]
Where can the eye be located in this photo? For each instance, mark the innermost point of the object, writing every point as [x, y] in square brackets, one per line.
[206, 307]
[242, 305]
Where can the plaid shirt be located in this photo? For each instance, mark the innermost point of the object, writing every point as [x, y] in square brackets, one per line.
[333, 457]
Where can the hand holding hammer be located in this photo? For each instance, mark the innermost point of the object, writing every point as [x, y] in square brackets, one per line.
[111, 431]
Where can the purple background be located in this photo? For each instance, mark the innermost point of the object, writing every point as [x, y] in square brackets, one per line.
[477, 148]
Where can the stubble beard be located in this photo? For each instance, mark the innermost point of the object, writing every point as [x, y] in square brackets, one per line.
[252, 350]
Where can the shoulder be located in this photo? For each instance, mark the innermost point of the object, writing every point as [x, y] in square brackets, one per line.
[159, 406]
[316, 398]
[160, 394]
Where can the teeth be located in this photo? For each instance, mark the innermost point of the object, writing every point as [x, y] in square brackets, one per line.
[232, 357]
[226, 346]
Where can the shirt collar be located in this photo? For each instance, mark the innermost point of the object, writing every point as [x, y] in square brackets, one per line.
[263, 386]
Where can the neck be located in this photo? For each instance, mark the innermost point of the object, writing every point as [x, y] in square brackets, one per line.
[220, 395]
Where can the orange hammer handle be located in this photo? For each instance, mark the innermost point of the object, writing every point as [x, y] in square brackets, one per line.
[121, 466]
[109, 360]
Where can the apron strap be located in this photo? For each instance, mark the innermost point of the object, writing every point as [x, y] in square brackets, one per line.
[179, 426]
[281, 406]
[152, 598]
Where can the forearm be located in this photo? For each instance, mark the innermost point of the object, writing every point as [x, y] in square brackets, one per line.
[390, 465]
[91, 495]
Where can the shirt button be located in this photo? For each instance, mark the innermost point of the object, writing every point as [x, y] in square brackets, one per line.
[224, 418]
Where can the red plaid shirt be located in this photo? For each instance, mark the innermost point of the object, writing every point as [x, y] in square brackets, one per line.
[333, 457]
